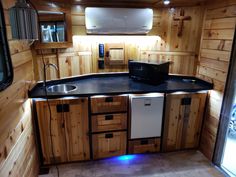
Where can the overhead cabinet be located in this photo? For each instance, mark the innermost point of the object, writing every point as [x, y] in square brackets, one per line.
[183, 121]
[64, 131]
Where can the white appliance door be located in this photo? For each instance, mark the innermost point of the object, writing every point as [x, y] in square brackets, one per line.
[146, 116]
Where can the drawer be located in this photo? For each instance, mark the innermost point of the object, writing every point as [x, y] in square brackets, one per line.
[107, 104]
[144, 145]
[109, 122]
[109, 144]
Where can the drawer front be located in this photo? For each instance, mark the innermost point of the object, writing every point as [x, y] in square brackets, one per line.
[144, 146]
[109, 122]
[109, 144]
[108, 104]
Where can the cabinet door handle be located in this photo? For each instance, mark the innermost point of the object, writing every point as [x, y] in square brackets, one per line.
[109, 135]
[143, 142]
[186, 101]
[108, 117]
[108, 99]
[63, 108]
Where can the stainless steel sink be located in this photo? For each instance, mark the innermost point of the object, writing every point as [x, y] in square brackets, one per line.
[62, 88]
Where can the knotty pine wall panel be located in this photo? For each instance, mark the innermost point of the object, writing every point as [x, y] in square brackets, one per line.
[215, 50]
[161, 44]
[18, 156]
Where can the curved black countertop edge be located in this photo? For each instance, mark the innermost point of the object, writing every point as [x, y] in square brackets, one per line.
[119, 83]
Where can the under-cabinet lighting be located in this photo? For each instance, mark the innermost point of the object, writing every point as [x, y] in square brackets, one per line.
[126, 159]
[142, 40]
[50, 12]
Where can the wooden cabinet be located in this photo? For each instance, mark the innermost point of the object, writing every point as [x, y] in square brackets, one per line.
[107, 104]
[109, 122]
[183, 121]
[109, 125]
[65, 134]
[144, 145]
[109, 144]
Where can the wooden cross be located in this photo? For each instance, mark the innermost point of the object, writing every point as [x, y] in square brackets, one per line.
[181, 19]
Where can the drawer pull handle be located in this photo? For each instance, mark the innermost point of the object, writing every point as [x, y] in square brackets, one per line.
[63, 108]
[109, 135]
[109, 117]
[143, 142]
[147, 104]
[186, 101]
[108, 99]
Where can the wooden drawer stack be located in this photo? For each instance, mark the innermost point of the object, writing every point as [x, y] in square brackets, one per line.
[109, 126]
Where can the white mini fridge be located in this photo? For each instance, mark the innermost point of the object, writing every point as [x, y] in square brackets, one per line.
[146, 115]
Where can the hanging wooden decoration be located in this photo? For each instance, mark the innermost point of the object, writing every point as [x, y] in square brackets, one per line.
[181, 18]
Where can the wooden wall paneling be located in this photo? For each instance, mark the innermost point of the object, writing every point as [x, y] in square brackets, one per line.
[214, 64]
[156, 22]
[95, 57]
[21, 156]
[13, 132]
[222, 23]
[78, 20]
[220, 12]
[18, 155]
[68, 65]
[86, 65]
[224, 45]
[131, 52]
[218, 32]
[215, 54]
[165, 40]
[181, 63]
[21, 58]
[18, 46]
[225, 34]
[9, 34]
[51, 72]
[212, 73]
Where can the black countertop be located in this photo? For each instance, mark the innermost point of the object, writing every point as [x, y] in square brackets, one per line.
[119, 83]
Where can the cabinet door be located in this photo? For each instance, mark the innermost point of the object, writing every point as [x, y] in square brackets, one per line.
[55, 125]
[69, 130]
[76, 129]
[109, 144]
[183, 120]
[193, 118]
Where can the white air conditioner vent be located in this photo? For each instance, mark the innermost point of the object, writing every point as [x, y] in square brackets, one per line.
[118, 20]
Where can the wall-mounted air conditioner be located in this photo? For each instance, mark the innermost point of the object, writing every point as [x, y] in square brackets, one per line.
[118, 20]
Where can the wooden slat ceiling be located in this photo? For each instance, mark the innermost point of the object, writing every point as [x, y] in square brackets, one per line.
[123, 3]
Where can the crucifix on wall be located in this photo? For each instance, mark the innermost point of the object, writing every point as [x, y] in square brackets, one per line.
[181, 19]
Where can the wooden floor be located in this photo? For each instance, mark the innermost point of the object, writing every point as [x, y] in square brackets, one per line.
[178, 164]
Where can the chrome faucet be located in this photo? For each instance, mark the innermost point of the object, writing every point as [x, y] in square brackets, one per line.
[44, 71]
